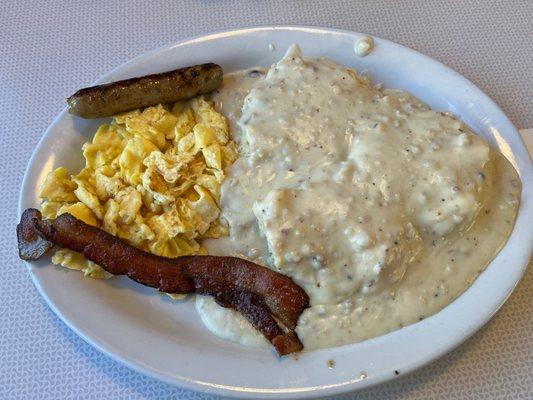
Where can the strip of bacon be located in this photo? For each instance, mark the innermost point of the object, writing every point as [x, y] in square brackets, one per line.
[258, 293]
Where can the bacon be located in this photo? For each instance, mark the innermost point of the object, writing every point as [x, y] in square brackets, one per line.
[31, 244]
[261, 295]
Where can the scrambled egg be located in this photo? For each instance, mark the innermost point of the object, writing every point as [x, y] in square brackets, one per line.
[151, 177]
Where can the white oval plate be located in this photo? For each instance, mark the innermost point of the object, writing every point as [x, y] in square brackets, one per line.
[166, 340]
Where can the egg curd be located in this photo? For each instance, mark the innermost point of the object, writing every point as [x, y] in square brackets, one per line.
[151, 177]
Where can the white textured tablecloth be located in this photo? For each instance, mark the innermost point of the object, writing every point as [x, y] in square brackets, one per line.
[50, 48]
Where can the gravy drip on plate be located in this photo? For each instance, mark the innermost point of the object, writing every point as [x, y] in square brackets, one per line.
[382, 209]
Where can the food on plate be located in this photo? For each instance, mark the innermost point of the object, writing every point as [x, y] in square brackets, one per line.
[382, 209]
[364, 46]
[151, 177]
[373, 210]
[258, 293]
[129, 94]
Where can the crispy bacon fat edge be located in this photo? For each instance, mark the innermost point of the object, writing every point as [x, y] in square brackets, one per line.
[261, 295]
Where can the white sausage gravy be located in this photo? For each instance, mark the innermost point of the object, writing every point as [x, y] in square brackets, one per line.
[382, 209]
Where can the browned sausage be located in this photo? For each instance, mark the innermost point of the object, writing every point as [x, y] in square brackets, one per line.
[166, 87]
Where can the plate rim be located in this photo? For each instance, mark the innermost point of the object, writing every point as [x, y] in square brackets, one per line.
[308, 391]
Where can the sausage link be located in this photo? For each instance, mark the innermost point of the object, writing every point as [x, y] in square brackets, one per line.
[129, 94]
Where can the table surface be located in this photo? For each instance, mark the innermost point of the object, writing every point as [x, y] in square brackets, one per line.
[50, 48]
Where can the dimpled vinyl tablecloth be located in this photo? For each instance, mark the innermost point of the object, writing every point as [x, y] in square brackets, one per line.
[50, 48]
